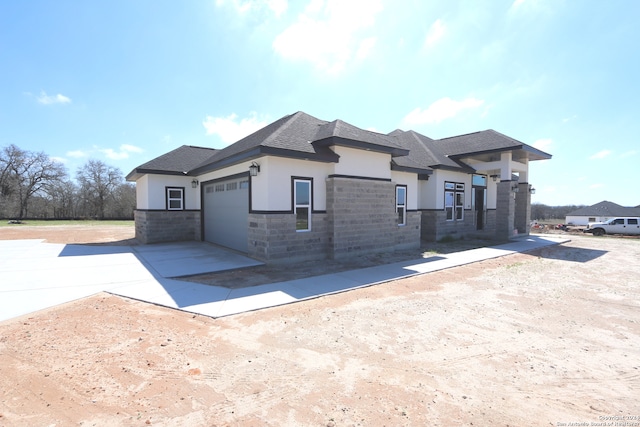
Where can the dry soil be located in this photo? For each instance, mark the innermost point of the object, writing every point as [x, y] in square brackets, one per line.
[535, 339]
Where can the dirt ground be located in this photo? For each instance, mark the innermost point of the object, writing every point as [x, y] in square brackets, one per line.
[539, 339]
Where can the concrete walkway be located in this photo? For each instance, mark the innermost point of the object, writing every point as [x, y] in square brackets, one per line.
[36, 275]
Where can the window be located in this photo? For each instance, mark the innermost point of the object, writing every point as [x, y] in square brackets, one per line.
[175, 198]
[454, 201]
[302, 204]
[401, 204]
[232, 186]
[632, 221]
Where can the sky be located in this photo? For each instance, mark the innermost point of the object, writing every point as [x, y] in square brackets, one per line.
[126, 81]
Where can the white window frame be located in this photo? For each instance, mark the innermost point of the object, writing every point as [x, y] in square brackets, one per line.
[300, 205]
[170, 199]
[401, 207]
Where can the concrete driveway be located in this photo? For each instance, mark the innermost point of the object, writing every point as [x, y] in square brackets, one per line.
[35, 275]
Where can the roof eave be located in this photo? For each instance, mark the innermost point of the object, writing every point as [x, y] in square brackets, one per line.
[362, 145]
[419, 171]
[138, 173]
[327, 157]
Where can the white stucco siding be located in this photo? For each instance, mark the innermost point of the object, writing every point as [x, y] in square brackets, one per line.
[358, 162]
[151, 191]
[271, 189]
[142, 192]
[411, 181]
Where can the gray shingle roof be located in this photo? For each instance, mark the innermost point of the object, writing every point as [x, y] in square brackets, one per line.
[606, 209]
[177, 162]
[422, 151]
[300, 135]
[483, 142]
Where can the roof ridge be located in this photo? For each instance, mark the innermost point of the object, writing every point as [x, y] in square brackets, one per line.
[463, 134]
[290, 119]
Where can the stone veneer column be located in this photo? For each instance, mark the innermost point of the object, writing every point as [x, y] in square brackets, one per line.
[523, 209]
[505, 210]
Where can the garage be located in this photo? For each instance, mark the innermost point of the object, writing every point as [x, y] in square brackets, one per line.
[226, 212]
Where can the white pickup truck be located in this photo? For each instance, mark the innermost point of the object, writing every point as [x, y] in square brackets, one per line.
[621, 225]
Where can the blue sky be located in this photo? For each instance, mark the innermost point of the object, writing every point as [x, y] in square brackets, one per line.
[125, 81]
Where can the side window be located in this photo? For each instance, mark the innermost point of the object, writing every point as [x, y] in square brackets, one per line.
[401, 204]
[302, 204]
[632, 221]
[175, 198]
[618, 221]
[454, 201]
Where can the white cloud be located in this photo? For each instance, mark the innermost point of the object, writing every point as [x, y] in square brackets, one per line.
[60, 160]
[131, 148]
[435, 33]
[442, 109]
[629, 153]
[601, 154]
[230, 129]
[123, 153]
[77, 154]
[543, 144]
[328, 34]
[278, 7]
[52, 99]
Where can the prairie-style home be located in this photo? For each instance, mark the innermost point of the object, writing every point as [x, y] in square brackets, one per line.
[305, 188]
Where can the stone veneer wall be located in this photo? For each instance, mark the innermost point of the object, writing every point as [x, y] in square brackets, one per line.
[273, 237]
[435, 225]
[167, 226]
[362, 219]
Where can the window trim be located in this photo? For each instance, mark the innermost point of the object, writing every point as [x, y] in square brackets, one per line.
[169, 199]
[401, 222]
[295, 205]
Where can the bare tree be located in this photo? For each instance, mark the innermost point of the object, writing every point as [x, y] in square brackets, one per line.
[26, 173]
[98, 182]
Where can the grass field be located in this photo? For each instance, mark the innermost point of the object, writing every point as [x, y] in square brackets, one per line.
[56, 222]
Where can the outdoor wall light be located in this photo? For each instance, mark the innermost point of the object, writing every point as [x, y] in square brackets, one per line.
[532, 190]
[194, 183]
[515, 188]
[254, 169]
[494, 177]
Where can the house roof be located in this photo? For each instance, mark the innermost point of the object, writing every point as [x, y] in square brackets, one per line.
[301, 135]
[423, 152]
[176, 162]
[606, 209]
[487, 142]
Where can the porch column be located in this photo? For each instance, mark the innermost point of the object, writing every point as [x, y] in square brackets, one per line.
[523, 209]
[505, 210]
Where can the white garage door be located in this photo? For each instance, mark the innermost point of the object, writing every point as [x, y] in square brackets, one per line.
[226, 213]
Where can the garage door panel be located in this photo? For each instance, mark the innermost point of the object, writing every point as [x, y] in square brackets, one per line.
[226, 213]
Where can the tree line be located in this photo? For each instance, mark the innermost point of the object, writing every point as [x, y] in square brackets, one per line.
[34, 186]
[542, 212]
